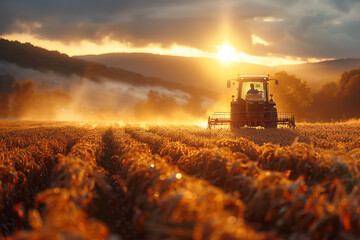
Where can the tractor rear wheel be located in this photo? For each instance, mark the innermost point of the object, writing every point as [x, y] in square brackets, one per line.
[271, 118]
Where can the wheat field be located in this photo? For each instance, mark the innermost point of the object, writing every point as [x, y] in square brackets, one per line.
[110, 180]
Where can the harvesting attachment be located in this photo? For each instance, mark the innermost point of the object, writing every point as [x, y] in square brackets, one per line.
[252, 107]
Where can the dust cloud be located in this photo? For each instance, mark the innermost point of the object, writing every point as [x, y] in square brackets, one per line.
[81, 99]
[27, 102]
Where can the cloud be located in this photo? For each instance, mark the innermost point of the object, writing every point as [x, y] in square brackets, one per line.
[304, 28]
[259, 40]
[343, 5]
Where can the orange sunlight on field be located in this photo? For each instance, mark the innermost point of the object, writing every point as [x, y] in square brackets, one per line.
[94, 180]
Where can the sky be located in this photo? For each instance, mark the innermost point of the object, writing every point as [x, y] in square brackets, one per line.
[257, 31]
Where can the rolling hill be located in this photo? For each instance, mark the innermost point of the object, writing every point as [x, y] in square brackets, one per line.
[205, 73]
[210, 73]
[29, 56]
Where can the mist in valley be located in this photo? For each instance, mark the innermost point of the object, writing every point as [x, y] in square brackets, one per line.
[30, 94]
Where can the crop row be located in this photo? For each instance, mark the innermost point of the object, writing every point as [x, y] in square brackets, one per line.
[299, 159]
[168, 203]
[26, 163]
[341, 136]
[63, 210]
[271, 198]
[344, 136]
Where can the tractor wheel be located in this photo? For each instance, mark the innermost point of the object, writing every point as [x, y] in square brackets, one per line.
[271, 118]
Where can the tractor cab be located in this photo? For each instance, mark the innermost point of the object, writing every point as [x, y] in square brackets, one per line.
[251, 88]
[252, 91]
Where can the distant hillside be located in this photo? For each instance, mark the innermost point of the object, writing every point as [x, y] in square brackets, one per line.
[29, 56]
[202, 72]
[317, 74]
[211, 73]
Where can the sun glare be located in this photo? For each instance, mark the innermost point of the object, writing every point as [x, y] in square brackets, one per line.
[203, 124]
[227, 53]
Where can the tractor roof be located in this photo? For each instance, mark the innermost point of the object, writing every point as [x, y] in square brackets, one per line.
[253, 77]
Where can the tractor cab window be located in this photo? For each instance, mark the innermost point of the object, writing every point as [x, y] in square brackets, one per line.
[253, 91]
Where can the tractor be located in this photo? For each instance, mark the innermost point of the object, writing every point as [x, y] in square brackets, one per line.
[252, 107]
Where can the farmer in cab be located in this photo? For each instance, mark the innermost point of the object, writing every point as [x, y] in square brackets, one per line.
[252, 90]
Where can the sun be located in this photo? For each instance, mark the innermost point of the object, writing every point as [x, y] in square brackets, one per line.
[227, 53]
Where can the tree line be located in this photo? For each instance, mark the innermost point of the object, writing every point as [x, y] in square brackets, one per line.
[335, 101]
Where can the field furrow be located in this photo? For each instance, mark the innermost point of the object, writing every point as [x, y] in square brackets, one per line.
[26, 163]
[273, 200]
[65, 208]
[299, 159]
[169, 203]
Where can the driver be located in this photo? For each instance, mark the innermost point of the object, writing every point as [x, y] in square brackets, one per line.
[252, 90]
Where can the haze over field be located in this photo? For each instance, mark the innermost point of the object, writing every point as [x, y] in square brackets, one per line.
[170, 60]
